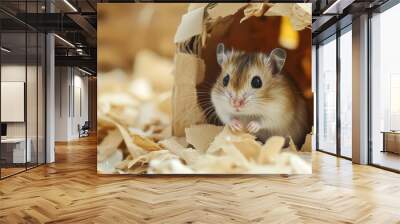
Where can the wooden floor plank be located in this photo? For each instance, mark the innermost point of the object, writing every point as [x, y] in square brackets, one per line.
[70, 191]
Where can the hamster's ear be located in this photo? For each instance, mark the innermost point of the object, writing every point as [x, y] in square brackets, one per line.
[276, 60]
[221, 56]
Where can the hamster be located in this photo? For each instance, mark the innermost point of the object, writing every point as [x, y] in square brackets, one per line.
[251, 94]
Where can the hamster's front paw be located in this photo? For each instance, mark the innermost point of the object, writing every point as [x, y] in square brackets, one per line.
[235, 125]
[253, 127]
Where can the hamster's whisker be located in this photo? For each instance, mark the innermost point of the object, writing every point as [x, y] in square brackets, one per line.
[265, 98]
[209, 111]
[215, 118]
[207, 83]
[205, 93]
[204, 105]
[209, 107]
[193, 98]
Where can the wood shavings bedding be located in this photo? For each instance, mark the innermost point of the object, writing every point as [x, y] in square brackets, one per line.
[205, 149]
[134, 137]
[221, 152]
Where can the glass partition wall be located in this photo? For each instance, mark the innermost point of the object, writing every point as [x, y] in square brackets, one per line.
[22, 107]
[334, 93]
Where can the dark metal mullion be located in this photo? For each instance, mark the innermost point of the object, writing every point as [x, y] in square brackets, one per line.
[317, 96]
[26, 88]
[73, 92]
[45, 90]
[338, 82]
[369, 83]
[333, 154]
[69, 93]
[37, 91]
[385, 168]
[13, 174]
[60, 88]
[45, 95]
[0, 98]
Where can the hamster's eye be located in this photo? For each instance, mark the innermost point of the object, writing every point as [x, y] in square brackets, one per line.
[256, 82]
[225, 81]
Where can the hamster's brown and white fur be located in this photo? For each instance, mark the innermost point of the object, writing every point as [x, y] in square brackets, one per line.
[257, 97]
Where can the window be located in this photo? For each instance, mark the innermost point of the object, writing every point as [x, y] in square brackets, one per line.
[327, 96]
[385, 89]
[346, 93]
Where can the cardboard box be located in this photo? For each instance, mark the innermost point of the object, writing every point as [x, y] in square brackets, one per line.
[238, 25]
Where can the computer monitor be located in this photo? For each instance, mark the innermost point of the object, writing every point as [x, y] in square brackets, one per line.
[3, 129]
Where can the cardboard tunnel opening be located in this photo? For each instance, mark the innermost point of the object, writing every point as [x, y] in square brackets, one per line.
[255, 34]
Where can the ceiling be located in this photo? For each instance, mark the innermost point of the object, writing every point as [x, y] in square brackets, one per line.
[72, 20]
[76, 22]
[331, 15]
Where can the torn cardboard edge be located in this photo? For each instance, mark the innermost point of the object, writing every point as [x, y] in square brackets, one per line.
[193, 22]
[189, 71]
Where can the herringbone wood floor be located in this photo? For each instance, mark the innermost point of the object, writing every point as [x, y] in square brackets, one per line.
[70, 191]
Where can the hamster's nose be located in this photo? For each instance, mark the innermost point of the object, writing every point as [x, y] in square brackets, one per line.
[237, 102]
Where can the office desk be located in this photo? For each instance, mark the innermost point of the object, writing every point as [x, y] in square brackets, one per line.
[13, 150]
[391, 141]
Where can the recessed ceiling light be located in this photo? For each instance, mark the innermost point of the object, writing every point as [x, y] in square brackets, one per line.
[84, 71]
[64, 40]
[70, 5]
[337, 7]
[5, 50]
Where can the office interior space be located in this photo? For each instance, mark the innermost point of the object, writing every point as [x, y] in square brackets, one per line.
[49, 111]
[39, 108]
[335, 72]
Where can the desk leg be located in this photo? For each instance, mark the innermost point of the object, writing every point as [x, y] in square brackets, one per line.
[384, 142]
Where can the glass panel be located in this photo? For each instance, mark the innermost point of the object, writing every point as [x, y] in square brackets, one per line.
[13, 86]
[346, 94]
[327, 96]
[385, 114]
[23, 86]
[32, 90]
[41, 98]
[31, 98]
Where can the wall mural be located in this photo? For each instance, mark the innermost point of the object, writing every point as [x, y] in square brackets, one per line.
[204, 88]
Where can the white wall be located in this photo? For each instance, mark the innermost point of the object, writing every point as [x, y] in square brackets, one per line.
[70, 83]
[360, 89]
[79, 117]
[12, 73]
[62, 81]
[50, 94]
[33, 126]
